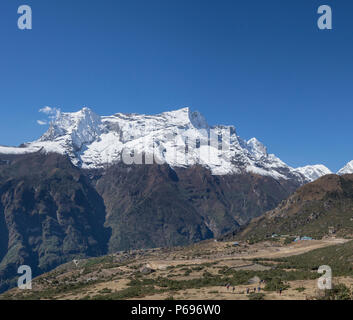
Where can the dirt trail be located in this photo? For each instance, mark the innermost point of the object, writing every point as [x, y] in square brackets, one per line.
[260, 252]
[296, 248]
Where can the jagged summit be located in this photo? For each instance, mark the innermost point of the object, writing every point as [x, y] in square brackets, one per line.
[178, 137]
[80, 128]
[257, 148]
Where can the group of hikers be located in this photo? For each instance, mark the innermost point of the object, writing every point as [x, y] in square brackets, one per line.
[248, 290]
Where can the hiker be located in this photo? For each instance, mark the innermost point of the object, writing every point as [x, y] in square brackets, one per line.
[258, 289]
[228, 285]
[233, 289]
[280, 291]
[247, 290]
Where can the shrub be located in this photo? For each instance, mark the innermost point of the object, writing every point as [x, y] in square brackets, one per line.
[275, 284]
[256, 296]
[338, 292]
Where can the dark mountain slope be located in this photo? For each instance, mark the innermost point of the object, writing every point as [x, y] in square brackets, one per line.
[149, 206]
[52, 211]
[315, 209]
[146, 209]
[49, 214]
[224, 199]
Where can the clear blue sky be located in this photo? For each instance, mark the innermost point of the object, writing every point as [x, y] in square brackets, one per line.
[262, 66]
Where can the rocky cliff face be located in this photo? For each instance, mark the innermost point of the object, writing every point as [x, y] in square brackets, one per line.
[49, 213]
[160, 206]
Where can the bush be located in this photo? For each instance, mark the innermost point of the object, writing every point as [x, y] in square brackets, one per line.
[288, 240]
[338, 292]
[105, 290]
[256, 296]
[275, 284]
[187, 272]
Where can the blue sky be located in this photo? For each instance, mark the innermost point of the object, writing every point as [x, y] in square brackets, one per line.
[262, 66]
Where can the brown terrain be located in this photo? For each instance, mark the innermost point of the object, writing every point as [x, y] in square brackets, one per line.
[102, 278]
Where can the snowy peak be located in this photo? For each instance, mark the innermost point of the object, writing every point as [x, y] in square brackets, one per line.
[312, 173]
[78, 128]
[256, 148]
[347, 169]
[185, 117]
[181, 138]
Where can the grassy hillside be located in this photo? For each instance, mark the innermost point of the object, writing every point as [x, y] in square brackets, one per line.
[198, 272]
[339, 258]
[315, 210]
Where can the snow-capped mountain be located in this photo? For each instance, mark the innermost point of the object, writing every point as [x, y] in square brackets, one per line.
[180, 138]
[313, 173]
[347, 169]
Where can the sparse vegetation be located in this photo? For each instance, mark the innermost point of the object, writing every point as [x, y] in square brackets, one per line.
[256, 296]
[339, 258]
[338, 292]
[96, 279]
[313, 210]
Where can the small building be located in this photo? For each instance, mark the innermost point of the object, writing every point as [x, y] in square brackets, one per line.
[305, 238]
[236, 244]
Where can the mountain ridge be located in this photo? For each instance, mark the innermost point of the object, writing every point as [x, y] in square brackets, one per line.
[321, 208]
[93, 141]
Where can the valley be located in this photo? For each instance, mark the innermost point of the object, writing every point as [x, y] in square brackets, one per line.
[199, 272]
